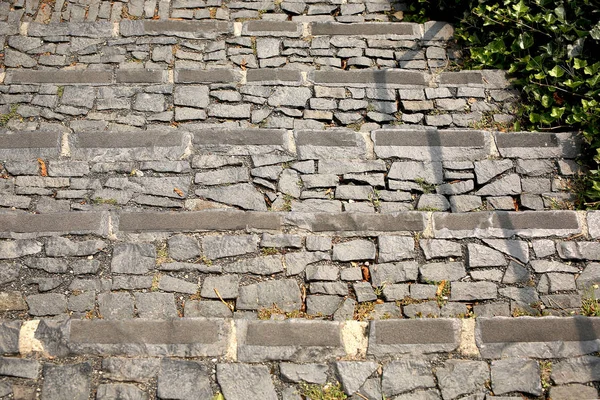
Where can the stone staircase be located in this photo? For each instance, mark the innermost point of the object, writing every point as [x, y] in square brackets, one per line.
[211, 199]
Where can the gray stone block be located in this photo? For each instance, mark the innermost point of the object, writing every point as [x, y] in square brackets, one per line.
[67, 381]
[368, 78]
[60, 77]
[242, 381]
[26, 145]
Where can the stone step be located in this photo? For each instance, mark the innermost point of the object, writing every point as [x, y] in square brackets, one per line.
[383, 171]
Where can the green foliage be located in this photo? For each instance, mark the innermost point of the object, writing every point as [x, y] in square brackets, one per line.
[318, 392]
[552, 50]
[4, 118]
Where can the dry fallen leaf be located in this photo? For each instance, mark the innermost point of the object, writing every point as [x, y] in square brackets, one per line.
[440, 288]
[179, 192]
[365, 272]
[43, 169]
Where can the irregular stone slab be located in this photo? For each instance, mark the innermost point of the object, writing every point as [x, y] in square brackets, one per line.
[47, 304]
[514, 248]
[573, 392]
[516, 375]
[99, 29]
[183, 380]
[131, 369]
[182, 247]
[9, 336]
[440, 248]
[19, 248]
[29, 145]
[75, 223]
[367, 78]
[413, 336]
[483, 256]
[51, 265]
[210, 220]
[226, 285]
[395, 29]
[382, 275]
[506, 224]
[133, 258]
[485, 170]
[117, 305]
[169, 284]
[461, 377]
[437, 272]
[469, 291]
[354, 250]
[186, 29]
[179, 337]
[229, 245]
[508, 185]
[544, 266]
[363, 224]
[63, 247]
[577, 370]
[589, 277]
[528, 145]
[431, 145]
[260, 266]
[67, 381]
[295, 340]
[120, 391]
[340, 167]
[20, 368]
[59, 77]
[406, 375]
[311, 373]
[129, 146]
[243, 195]
[283, 293]
[395, 248]
[296, 262]
[155, 305]
[429, 172]
[548, 337]
[241, 142]
[330, 144]
[353, 374]
[467, 78]
[242, 381]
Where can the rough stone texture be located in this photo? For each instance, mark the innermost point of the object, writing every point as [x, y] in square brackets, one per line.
[516, 375]
[67, 381]
[354, 250]
[461, 377]
[133, 258]
[242, 381]
[183, 380]
[284, 293]
[406, 375]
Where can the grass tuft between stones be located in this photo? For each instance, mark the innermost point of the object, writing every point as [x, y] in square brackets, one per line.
[326, 392]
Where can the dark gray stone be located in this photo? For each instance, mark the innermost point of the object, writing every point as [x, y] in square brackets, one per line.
[9, 337]
[578, 370]
[226, 286]
[47, 304]
[117, 305]
[354, 250]
[461, 377]
[20, 368]
[353, 374]
[184, 380]
[120, 391]
[243, 381]
[229, 245]
[284, 293]
[311, 373]
[405, 376]
[155, 305]
[133, 258]
[516, 375]
[182, 247]
[67, 381]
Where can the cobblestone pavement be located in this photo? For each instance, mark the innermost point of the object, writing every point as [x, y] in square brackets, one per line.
[222, 200]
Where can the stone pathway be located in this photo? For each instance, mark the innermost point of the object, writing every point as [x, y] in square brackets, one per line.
[279, 200]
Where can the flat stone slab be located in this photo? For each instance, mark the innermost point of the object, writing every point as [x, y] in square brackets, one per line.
[29, 145]
[413, 336]
[141, 76]
[529, 145]
[387, 78]
[129, 146]
[180, 337]
[241, 142]
[274, 76]
[548, 337]
[406, 30]
[362, 224]
[186, 29]
[43, 224]
[431, 144]
[506, 224]
[330, 144]
[462, 78]
[295, 340]
[272, 28]
[60, 77]
[217, 75]
[194, 221]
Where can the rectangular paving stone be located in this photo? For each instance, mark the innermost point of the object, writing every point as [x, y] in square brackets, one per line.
[272, 28]
[431, 144]
[99, 29]
[506, 224]
[129, 146]
[217, 75]
[180, 337]
[528, 145]
[369, 29]
[358, 223]
[468, 78]
[413, 336]
[274, 76]
[241, 141]
[59, 77]
[388, 78]
[66, 222]
[547, 337]
[290, 340]
[193, 221]
[186, 29]
[29, 145]
[330, 144]
[140, 76]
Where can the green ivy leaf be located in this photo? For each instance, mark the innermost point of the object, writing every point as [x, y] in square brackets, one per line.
[595, 32]
[560, 13]
[524, 41]
[546, 101]
[578, 63]
[557, 112]
[556, 72]
[520, 8]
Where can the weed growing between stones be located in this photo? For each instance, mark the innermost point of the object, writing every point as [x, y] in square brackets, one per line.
[546, 371]
[327, 392]
[426, 187]
[363, 311]
[162, 254]
[269, 251]
[590, 305]
[4, 118]
[268, 313]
